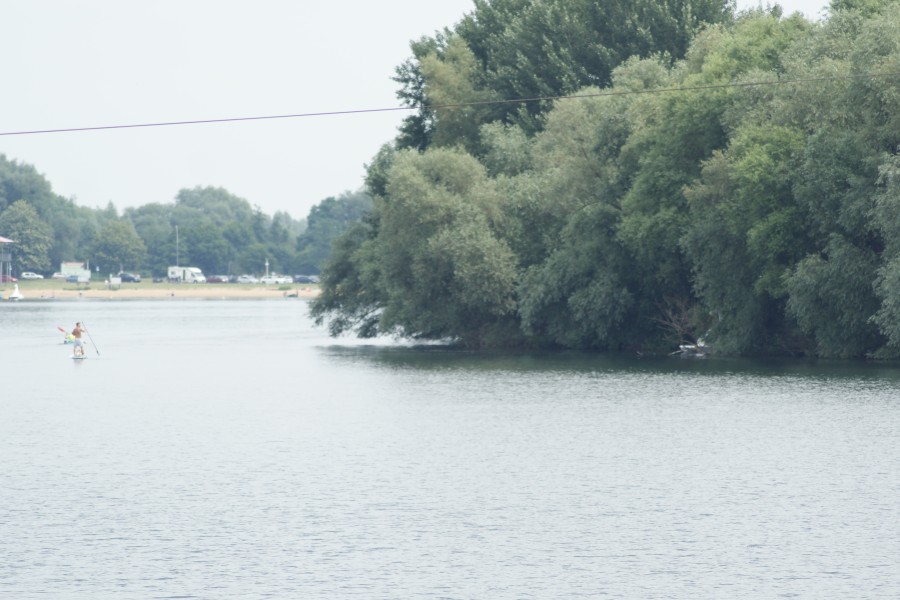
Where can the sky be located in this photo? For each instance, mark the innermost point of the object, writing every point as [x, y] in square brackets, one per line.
[98, 63]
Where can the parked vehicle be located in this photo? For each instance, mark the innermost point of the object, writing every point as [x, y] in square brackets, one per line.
[275, 279]
[8, 279]
[129, 277]
[247, 279]
[306, 279]
[217, 279]
[58, 275]
[30, 275]
[186, 275]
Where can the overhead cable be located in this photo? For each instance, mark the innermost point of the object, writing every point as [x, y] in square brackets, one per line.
[455, 105]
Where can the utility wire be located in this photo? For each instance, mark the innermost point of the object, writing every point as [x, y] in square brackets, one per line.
[458, 105]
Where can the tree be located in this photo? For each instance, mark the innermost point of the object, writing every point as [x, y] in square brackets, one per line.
[457, 104]
[327, 220]
[832, 297]
[71, 225]
[23, 182]
[208, 249]
[435, 267]
[117, 247]
[744, 235]
[535, 50]
[579, 297]
[153, 224]
[33, 238]
[352, 297]
[212, 204]
[887, 285]
[417, 129]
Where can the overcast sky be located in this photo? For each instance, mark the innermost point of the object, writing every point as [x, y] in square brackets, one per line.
[88, 63]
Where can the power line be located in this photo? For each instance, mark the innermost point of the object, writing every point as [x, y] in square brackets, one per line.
[455, 105]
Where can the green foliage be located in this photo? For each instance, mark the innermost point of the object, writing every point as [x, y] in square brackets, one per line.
[533, 50]
[153, 224]
[22, 182]
[866, 7]
[507, 149]
[377, 170]
[216, 231]
[545, 48]
[745, 233]
[206, 248]
[886, 217]
[214, 205]
[832, 298]
[32, 237]
[71, 226]
[451, 87]
[435, 267]
[429, 199]
[579, 297]
[325, 223]
[417, 129]
[117, 247]
[751, 214]
[887, 318]
[352, 297]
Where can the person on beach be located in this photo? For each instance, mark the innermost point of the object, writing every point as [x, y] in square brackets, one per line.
[78, 350]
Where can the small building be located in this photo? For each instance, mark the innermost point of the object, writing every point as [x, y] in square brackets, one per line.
[5, 259]
[75, 269]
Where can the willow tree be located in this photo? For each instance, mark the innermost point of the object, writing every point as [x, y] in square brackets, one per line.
[839, 290]
[535, 50]
[434, 267]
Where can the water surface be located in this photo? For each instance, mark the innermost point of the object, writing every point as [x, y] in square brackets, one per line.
[229, 449]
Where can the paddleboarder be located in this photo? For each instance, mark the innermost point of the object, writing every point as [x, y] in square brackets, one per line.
[78, 350]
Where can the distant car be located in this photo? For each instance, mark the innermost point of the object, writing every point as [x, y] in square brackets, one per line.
[72, 279]
[217, 279]
[247, 279]
[129, 277]
[306, 279]
[275, 279]
[8, 279]
[30, 275]
[57, 275]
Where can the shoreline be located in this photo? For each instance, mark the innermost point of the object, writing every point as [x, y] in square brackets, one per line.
[164, 292]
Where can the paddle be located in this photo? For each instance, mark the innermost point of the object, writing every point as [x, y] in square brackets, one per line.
[93, 343]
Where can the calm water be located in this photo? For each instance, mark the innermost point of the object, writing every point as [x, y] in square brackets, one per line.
[230, 449]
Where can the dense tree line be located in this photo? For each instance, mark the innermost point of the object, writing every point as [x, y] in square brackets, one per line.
[727, 176]
[205, 227]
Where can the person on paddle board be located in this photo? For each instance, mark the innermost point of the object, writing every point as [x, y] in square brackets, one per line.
[78, 350]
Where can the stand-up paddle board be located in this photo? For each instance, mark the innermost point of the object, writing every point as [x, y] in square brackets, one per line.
[79, 357]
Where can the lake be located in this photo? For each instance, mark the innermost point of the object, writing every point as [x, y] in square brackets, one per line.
[230, 449]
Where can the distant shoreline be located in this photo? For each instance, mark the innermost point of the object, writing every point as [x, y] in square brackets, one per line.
[152, 291]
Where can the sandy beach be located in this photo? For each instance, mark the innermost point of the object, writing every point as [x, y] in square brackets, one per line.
[163, 291]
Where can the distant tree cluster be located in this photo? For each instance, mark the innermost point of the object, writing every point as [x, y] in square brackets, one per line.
[205, 227]
[727, 176]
